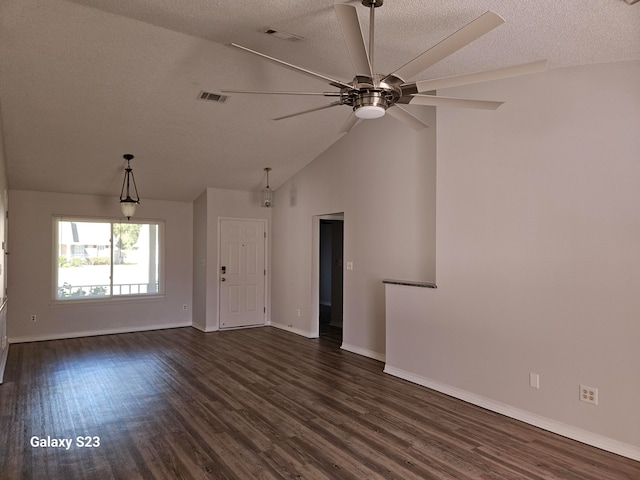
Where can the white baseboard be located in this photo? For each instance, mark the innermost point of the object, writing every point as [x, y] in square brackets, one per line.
[574, 433]
[93, 333]
[204, 329]
[345, 346]
[197, 326]
[363, 351]
[3, 361]
[297, 331]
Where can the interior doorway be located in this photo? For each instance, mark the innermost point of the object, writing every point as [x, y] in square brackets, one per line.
[330, 275]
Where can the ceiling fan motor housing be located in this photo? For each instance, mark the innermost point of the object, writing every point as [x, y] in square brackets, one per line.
[370, 105]
[369, 98]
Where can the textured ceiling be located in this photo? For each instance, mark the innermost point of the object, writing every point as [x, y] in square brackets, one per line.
[83, 82]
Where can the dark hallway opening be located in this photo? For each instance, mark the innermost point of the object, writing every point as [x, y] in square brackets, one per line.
[331, 277]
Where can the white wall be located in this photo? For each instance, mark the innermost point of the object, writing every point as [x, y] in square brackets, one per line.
[209, 207]
[4, 345]
[382, 176]
[538, 254]
[200, 256]
[31, 266]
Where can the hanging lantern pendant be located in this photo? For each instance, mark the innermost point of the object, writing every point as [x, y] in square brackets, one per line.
[128, 204]
[267, 193]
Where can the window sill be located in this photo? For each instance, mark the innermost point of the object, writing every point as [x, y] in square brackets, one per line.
[107, 301]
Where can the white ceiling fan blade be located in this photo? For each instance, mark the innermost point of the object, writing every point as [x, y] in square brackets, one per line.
[350, 123]
[261, 92]
[310, 110]
[479, 77]
[401, 114]
[433, 101]
[467, 34]
[353, 37]
[332, 81]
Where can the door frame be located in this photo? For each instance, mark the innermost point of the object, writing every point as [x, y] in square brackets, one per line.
[267, 266]
[315, 270]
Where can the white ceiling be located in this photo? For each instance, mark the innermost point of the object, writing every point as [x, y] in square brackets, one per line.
[83, 82]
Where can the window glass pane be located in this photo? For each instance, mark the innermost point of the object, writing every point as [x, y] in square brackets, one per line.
[88, 267]
[84, 260]
[135, 259]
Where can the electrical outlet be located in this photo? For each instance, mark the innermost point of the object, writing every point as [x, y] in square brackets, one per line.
[4, 342]
[184, 306]
[33, 318]
[589, 394]
[298, 312]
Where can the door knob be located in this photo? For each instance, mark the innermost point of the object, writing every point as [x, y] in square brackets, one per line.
[223, 279]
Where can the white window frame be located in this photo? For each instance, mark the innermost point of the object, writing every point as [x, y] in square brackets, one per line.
[111, 297]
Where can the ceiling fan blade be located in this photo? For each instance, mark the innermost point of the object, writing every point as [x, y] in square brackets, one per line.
[433, 101]
[479, 77]
[309, 111]
[332, 81]
[350, 123]
[467, 34]
[353, 37]
[261, 92]
[401, 114]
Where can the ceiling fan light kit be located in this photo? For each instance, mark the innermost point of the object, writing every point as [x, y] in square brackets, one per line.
[369, 112]
[371, 95]
[370, 105]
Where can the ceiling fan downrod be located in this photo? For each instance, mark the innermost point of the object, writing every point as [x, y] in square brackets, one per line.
[372, 5]
[371, 104]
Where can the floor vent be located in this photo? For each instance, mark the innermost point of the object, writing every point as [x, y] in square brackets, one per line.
[214, 97]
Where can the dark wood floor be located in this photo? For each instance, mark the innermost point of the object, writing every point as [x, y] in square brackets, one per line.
[257, 403]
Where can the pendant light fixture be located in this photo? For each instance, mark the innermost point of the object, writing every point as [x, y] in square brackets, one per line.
[267, 193]
[127, 203]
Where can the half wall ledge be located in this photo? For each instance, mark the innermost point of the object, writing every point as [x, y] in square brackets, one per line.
[410, 283]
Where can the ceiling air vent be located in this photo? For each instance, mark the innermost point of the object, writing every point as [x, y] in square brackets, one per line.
[214, 97]
[283, 35]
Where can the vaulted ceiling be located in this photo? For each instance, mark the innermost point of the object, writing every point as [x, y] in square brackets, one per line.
[83, 82]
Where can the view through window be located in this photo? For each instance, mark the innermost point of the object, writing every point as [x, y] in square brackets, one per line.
[102, 258]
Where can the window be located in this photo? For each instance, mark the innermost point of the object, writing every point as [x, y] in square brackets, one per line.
[98, 258]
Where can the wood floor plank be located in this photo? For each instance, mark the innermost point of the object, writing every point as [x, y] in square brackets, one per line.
[289, 465]
[257, 403]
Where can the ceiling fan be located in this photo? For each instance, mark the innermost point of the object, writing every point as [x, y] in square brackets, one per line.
[371, 95]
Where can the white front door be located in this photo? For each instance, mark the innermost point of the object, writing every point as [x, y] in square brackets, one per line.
[242, 273]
